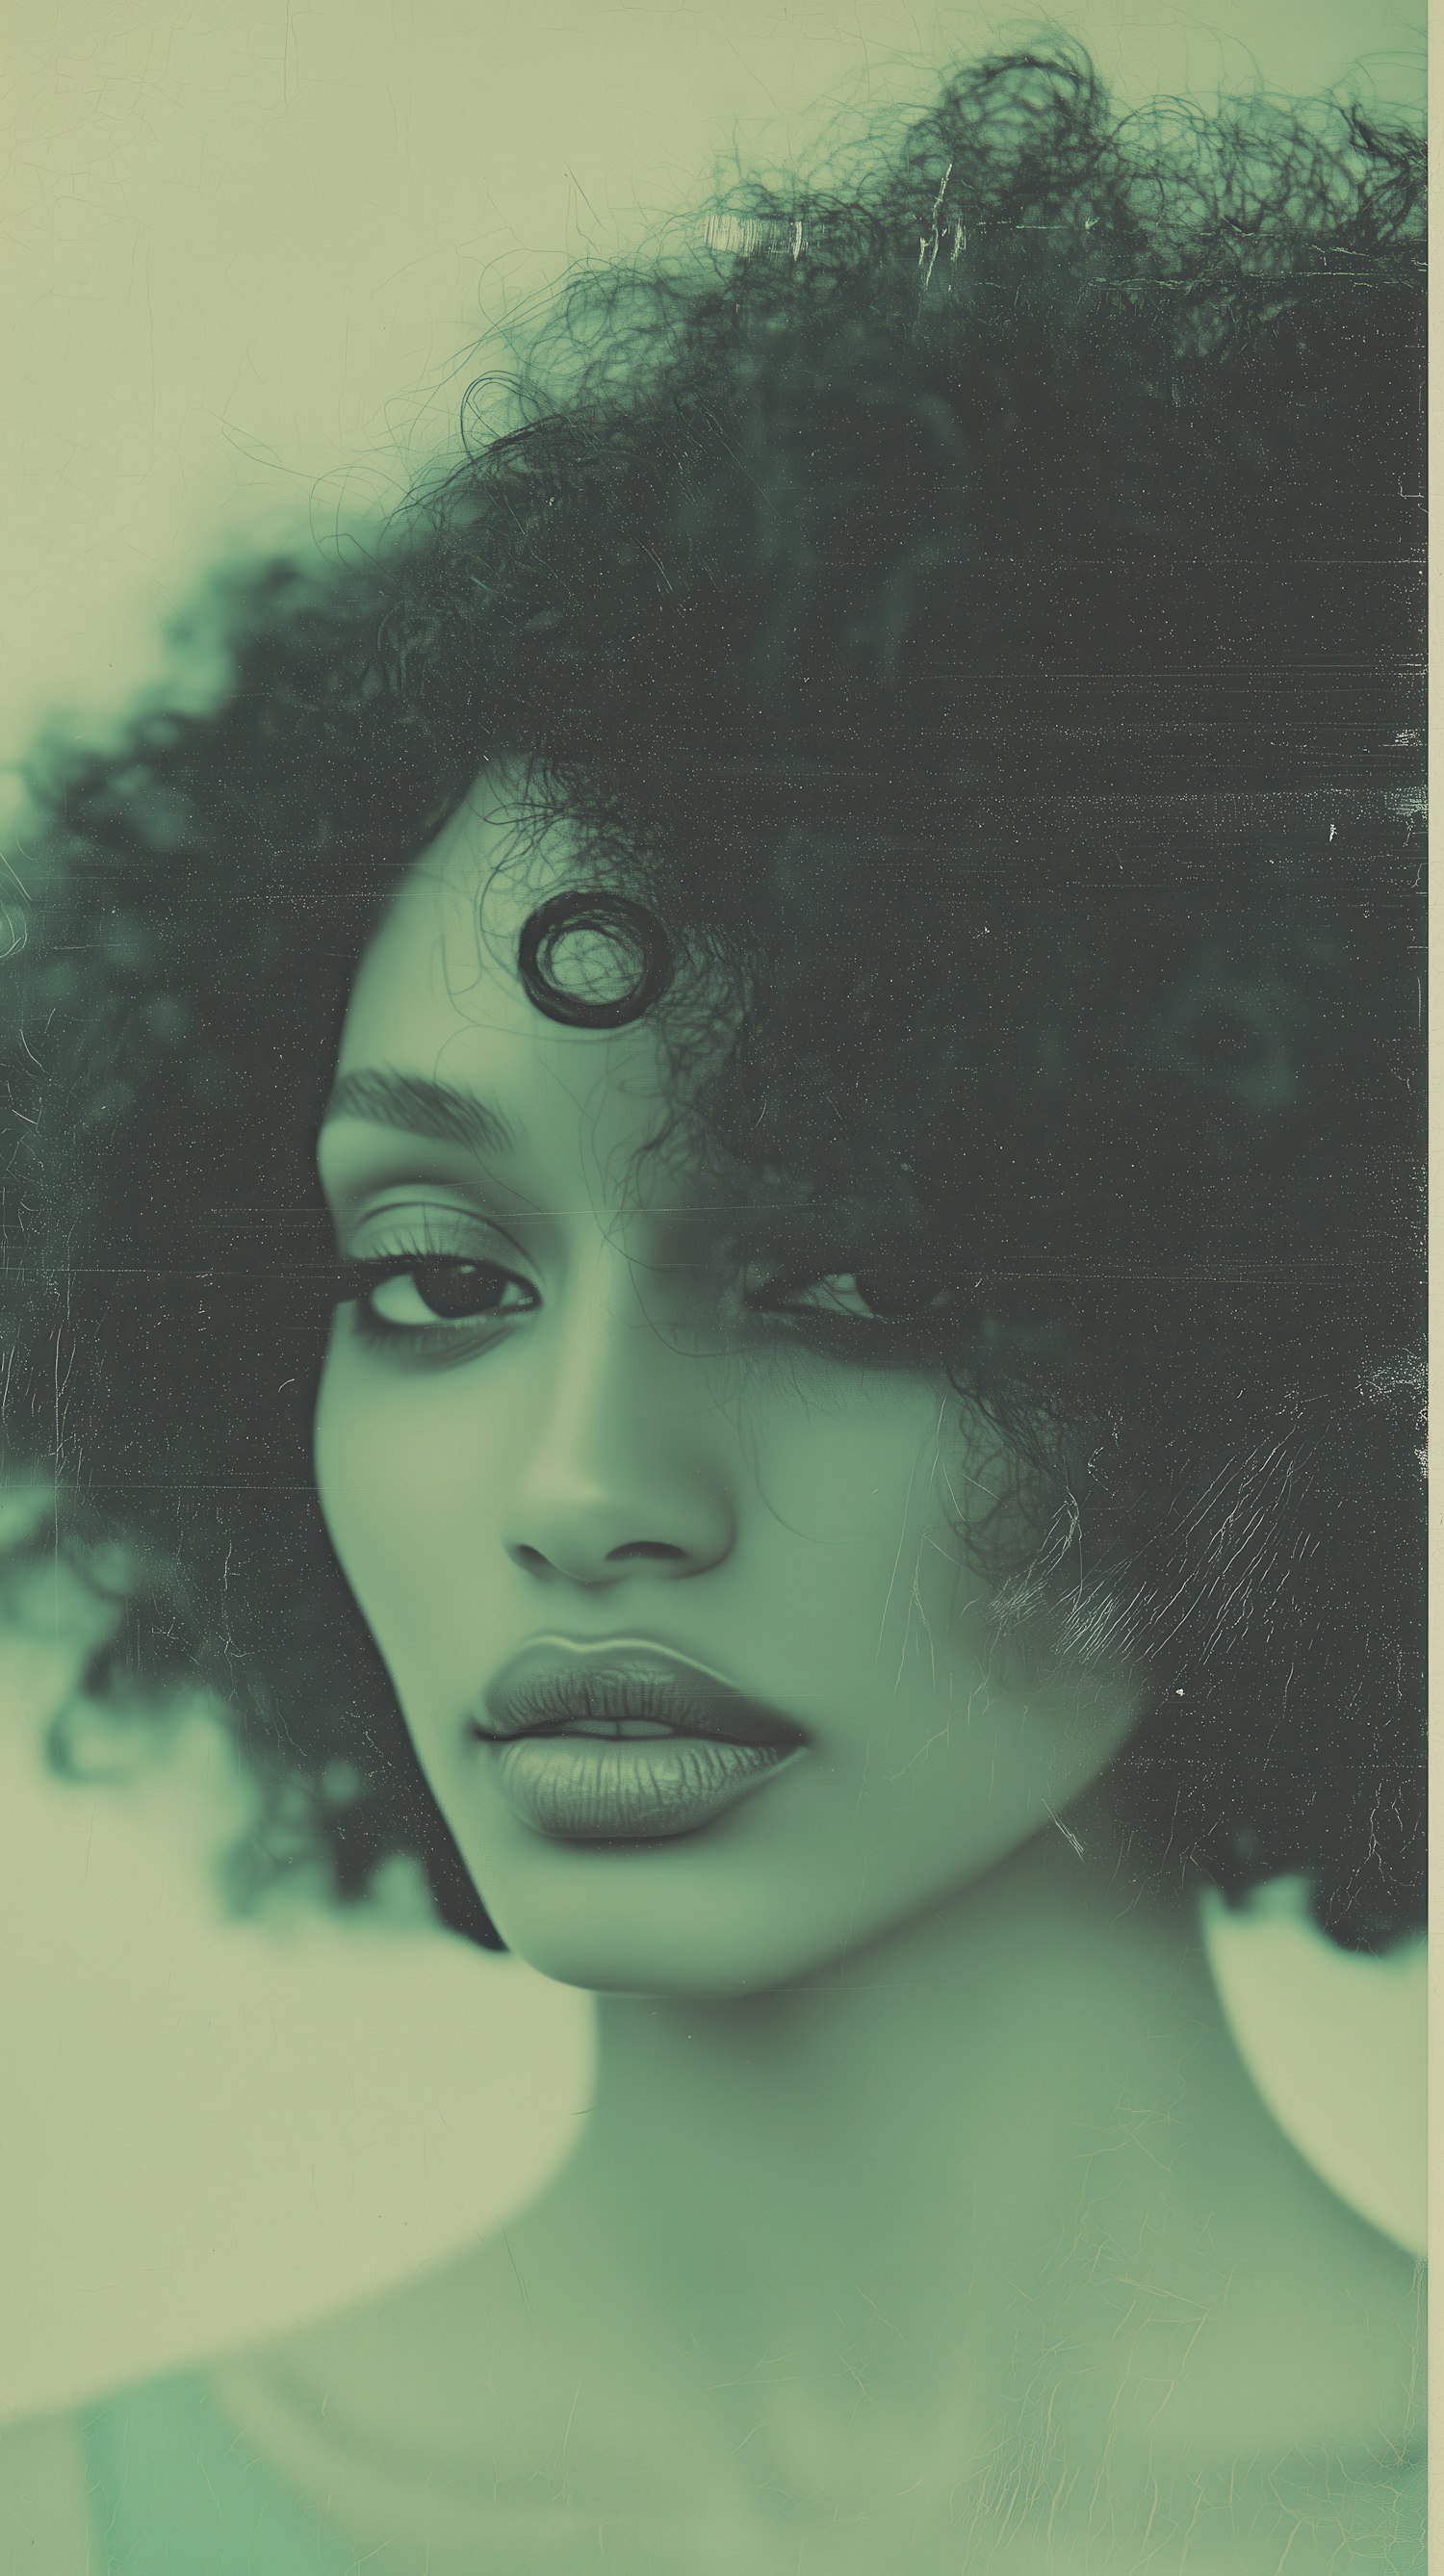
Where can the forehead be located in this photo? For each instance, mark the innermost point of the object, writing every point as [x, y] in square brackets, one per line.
[438, 993]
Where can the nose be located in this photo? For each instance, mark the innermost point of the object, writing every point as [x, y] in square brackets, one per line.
[624, 1473]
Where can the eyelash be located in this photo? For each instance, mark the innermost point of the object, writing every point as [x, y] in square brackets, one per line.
[357, 1281]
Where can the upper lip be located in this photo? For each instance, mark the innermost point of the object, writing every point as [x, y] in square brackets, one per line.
[553, 1680]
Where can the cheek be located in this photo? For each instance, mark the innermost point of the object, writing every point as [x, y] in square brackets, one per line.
[850, 1463]
[861, 1493]
[902, 1543]
[399, 1496]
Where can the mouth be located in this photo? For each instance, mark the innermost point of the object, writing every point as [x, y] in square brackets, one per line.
[625, 1741]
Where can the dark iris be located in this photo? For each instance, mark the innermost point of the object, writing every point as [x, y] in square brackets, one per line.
[456, 1289]
[839, 1268]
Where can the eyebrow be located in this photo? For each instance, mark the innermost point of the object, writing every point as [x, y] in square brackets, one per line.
[423, 1108]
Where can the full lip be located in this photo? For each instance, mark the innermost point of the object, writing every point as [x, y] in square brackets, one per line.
[554, 1680]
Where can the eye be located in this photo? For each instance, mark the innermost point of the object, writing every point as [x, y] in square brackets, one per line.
[403, 1293]
[868, 1296]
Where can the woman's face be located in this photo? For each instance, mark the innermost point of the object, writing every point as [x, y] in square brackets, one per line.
[600, 1474]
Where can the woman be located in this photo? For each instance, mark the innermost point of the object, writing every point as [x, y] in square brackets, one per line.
[838, 898]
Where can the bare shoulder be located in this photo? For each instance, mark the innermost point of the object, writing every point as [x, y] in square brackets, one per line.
[1285, 2430]
[1342, 2517]
[426, 2350]
[1298, 2440]
[45, 2520]
[473, 2399]
[1298, 2328]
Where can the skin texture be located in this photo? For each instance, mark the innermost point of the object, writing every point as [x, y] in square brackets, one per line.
[925, 2214]
[636, 1453]
[842, 588]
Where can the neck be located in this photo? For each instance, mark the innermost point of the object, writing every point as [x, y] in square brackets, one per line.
[962, 2114]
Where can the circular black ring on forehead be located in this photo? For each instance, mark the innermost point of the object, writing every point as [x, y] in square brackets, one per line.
[635, 935]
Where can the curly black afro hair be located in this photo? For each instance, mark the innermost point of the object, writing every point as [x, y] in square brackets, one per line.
[976, 605]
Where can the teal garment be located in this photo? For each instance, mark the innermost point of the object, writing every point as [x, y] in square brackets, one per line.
[175, 2493]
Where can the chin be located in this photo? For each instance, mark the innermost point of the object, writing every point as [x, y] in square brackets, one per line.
[728, 1913]
[610, 1952]
[617, 1973]
[631, 1923]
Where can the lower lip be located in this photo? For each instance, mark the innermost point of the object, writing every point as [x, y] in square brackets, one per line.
[588, 1788]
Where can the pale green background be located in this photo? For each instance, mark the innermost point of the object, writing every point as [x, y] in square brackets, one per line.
[244, 247]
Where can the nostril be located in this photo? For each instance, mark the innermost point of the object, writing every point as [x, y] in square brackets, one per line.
[578, 1536]
[582, 1566]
